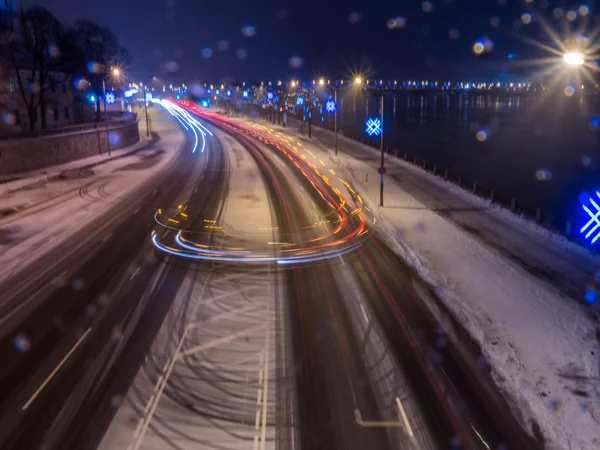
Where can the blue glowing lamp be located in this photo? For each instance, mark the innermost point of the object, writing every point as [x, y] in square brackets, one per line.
[373, 126]
[300, 101]
[330, 106]
[270, 95]
[110, 98]
[592, 226]
[245, 94]
[229, 93]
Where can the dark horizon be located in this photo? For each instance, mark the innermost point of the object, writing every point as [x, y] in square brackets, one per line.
[181, 41]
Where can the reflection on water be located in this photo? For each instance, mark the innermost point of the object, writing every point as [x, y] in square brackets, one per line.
[542, 151]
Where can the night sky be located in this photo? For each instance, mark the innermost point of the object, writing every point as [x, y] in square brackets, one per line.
[179, 40]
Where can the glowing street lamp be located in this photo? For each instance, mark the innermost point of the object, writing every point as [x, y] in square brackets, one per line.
[321, 82]
[573, 58]
[358, 80]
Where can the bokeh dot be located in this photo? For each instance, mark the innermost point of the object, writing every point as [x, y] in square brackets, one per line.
[595, 122]
[207, 52]
[586, 160]
[571, 15]
[354, 17]
[453, 33]
[296, 62]
[427, 6]
[241, 53]
[21, 342]
[569, 90]
[590, 297]
[248, 31]
[526, 18]
[558, 13]
[584, 10]
[494, 21]
[482, 135]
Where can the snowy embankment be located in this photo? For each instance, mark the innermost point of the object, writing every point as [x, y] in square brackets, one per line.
[42, 210]
[542, 345]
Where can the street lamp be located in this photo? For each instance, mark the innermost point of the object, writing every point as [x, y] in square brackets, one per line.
[358, 80]
[115, 73]
[573, 58]
[321, 82]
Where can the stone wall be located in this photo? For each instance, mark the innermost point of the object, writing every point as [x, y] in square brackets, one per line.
[20, 155]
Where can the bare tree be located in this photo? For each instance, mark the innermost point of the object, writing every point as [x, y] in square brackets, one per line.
[33, 52]
[100, 49]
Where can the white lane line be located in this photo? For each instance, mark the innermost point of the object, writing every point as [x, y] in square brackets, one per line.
[56, 369]
[260, 376]
[156, 386]
[220, 341]
[146, 423]
[257, 421]
[107, 237]
[362, 308]
[164, 369]
[135, 272]
[256, 442]
[147, 408]
[404, 418]
[266, 377]
[259, 396]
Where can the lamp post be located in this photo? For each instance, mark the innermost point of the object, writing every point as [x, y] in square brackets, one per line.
[374, 129]
[115, 72]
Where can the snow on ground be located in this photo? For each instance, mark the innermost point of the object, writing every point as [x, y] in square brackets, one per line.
[229, 338]
[541, 345]
[40, 213]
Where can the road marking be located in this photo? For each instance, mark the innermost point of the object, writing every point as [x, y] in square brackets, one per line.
[158, 383]
[56, 369]
[362, 308]
[137, 269]
[257, 422]
[146, 423]
[260, 376]
[147, 408]
[258, 397]
[256, 442]
[404, 418]
[166, 365]
[223, 340]
[107, 237]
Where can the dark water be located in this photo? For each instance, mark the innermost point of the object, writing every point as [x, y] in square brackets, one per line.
[542, 151]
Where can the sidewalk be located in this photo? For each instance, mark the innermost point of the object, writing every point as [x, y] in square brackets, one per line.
[42, 210]
[18, 181]
[518, 289]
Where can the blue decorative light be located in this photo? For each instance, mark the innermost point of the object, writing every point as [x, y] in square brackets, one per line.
[130, 93]
[204, 104]
[110, 98]
[300, 101]
[217, 91]
[229, 93]
[330, 106]
[92, 98]
[373, 126]
[593, 224]
[245, 94]
[270, 95]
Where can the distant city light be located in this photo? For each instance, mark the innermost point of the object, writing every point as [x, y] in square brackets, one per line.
[293, 83]
[204, 104]
[270, 95]
[229, 93]
[573, 58]
[358, 80]
[116, 72]
[92, 98]
[321, 82]
[300, 101]
[245, 94]
[593, 223]
[330, 106]
[373, 126]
